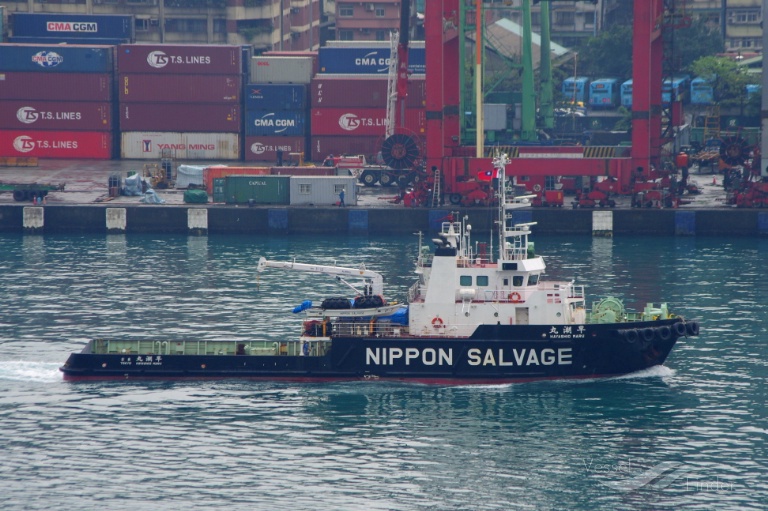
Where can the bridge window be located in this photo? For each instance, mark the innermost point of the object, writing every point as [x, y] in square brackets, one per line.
[482, 280]
[465, 281]
[518, 280]
[533, 280]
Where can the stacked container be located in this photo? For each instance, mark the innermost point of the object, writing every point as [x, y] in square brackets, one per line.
[58, 28]
[276, 107]
[56, 101]
[180, 101]
[349, 112]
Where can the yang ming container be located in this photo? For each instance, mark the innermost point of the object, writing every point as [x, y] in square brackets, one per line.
[51, 58]
[279, 122]
[84, 26]
[275, 96]
[180, 59]
[66, 86]
[260, 189]
[57, 144]
[183, 146]
[361, 91]
[56, 115]
[202, 117]
[281, 70]
[323, 190]
[148, 88]
[266, 148]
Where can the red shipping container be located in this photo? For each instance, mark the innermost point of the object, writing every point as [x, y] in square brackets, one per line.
[322, 146]
[56, 115]
[147, 88]
[211, 173]
[62, 87]
[180, 59]
[361, 91]
[201, 117]
[265, 148]
[361, 121]
[57, 144]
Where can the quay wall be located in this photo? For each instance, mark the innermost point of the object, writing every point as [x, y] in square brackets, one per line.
[375, 221]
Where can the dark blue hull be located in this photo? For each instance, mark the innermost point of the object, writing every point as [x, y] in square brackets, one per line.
[494, 354]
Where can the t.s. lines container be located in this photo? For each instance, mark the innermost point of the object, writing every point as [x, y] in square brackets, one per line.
[56, 144]
[181, 59]
[361, 121]
[266, 148]
[66, 86]
[56, 115]
[179, 88]
[180, 117]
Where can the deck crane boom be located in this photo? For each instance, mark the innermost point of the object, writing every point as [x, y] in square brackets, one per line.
[374, 282]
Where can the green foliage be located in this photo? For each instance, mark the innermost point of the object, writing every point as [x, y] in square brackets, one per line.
[608, 54]
[693, 42]
[729, 80]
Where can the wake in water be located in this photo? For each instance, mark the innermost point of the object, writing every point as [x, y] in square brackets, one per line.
[651, 372]
[24, 370]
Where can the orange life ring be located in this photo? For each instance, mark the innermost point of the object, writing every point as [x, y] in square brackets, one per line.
[536, 188]
[437, 322]
[515, 297]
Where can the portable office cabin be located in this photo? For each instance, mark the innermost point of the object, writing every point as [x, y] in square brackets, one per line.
[323, 190]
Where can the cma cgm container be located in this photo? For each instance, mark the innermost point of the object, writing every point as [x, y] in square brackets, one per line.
[323, 190]
[51, 58]
[372, 60]
[181, 117]
[266, 148]
[281, 70]
[184, 146]
[361, 121]
[280, 122]
[85, 26]
[56, 115]
[260, 189]
[56, 144]
[275, 96]
[66, 86]
[366, 91]
[149, 88]
[219, 172]
[322, 146]
[180, 59]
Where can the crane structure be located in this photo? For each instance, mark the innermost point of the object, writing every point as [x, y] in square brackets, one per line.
[443, 150]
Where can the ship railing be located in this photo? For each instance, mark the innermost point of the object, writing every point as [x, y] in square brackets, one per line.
[156, 348]
[369, 328]
[414, 292]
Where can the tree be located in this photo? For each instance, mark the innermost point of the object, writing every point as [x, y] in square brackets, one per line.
[608, 54]
[700, 39]
[728, 79]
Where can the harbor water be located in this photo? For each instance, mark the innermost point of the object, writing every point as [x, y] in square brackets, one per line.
[690, 435]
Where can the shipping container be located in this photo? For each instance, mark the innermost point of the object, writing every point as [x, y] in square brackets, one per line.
[57, 144]
[260, 189]
[297, 53]
[362, 91]
[370, 60]
[361, 121]
[305, 171]
[280, 122]
[183, 146]
[53, 58]
[219, 172]
[87, 26]
[323, 190]
[56, 115]
[181, 117]
[281, 70]
[275, 96]
[65, 40]
[66, 86]
[181, 59]
[149, 88]
[266, 148]
[322, 146]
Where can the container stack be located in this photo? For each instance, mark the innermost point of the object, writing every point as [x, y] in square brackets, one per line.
[58, 28]
[56, 101]
[276, 108]
[348, 98]
[180, 101]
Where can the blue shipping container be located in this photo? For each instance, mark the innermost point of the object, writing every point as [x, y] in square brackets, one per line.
[278, 122]
[271, 96]
[91, 41]
[339, 60]
[104, 26]
[57, 59]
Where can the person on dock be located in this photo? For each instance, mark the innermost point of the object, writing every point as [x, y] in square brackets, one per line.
[341, 199]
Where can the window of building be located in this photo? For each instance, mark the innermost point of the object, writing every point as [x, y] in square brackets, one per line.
[589, 19]
[465, 280]
[482, 280]
[380, 12]
[346, 11]
[564, 18]
[142, 24]
[337, 189]
[305, 188]
[346, 35]
[550, 182]
[382, 35]
[186, 25]
[219, 26]
[535, 19]
[744, 16]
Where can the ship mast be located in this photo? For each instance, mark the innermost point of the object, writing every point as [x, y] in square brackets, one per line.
[513, 238]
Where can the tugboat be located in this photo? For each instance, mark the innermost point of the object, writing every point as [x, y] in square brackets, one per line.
[469, 318]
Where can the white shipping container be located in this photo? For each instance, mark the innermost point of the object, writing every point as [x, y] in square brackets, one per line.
[322, 190]
[281, 69]
[182, 146]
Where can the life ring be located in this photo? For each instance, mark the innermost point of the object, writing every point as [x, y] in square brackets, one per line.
[515, 297]
[679, 328]
[437, 322]
[536, 188]
[665, 333]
